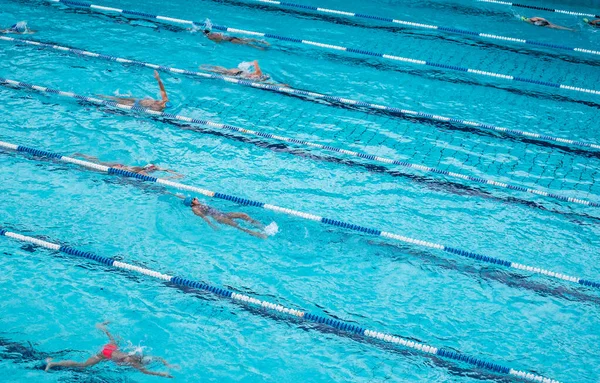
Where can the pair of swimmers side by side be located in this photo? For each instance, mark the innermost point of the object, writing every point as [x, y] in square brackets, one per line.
[20, 28]
[112, 352]
[203, 211]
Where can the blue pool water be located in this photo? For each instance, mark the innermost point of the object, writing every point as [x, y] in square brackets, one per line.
[50, 302]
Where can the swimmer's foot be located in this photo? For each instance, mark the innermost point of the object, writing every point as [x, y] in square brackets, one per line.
[49, 364]
[257, 235]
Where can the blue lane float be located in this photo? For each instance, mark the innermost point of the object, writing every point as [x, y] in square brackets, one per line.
[285, 312]
[309, 95]
[338, 48]
[362, 155]
[300, 214]
[335, 12]
[538, 8]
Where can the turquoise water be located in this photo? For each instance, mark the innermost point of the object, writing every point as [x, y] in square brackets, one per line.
[527, 322]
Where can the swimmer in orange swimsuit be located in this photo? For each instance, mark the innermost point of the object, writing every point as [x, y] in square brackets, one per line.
[110, 351]
[143, 170]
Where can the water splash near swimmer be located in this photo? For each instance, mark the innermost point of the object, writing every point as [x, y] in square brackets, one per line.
[139, 350]
[271, 229]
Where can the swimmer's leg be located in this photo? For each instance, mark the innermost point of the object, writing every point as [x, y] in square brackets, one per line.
[71, 363]
[225, 220]
[219, 69]
[244, 217]
[122, 100]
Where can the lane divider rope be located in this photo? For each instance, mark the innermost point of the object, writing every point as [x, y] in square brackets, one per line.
[538, 8]
[339, 48]
[385, 160]
[335, 12]
[308, 94]
[297, 213]
[280, 310]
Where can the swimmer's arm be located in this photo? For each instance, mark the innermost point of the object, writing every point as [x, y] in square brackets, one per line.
[164, 362]
[257, 68]
[175, 174]
[91, 158]
[163, 92]
[148, 372]
[205, 218]
[212, 225]
[95, 159]
[554, 26]
[102, 327]
[116, 98]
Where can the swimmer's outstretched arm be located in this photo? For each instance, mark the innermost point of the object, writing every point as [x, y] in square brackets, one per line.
[95, 159]
[175, 174]
[554, 26]
[102, 327]
[165, 363]
[143, 370]
[91, 158]
[163, 92]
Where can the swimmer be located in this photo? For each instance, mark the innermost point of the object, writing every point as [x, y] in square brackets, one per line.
[205, 211]
[149, 103]
[143, 170]
[221, 37]
[248, 69]
[110, 351]
[20, 28]
[541, 22]
[593, 23]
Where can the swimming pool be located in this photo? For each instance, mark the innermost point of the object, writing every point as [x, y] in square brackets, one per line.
[520, 319]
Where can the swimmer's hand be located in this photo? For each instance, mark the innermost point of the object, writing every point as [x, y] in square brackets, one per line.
[100, 326]
[156, 75]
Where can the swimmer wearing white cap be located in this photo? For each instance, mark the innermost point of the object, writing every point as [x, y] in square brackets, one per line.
[19, 28]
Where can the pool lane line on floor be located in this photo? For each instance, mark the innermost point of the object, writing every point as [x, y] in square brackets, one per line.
[537, 8]
[339, 325]
[231, 128]
[334, 12]
[297, 213]
[308, 95]
[337, 48]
